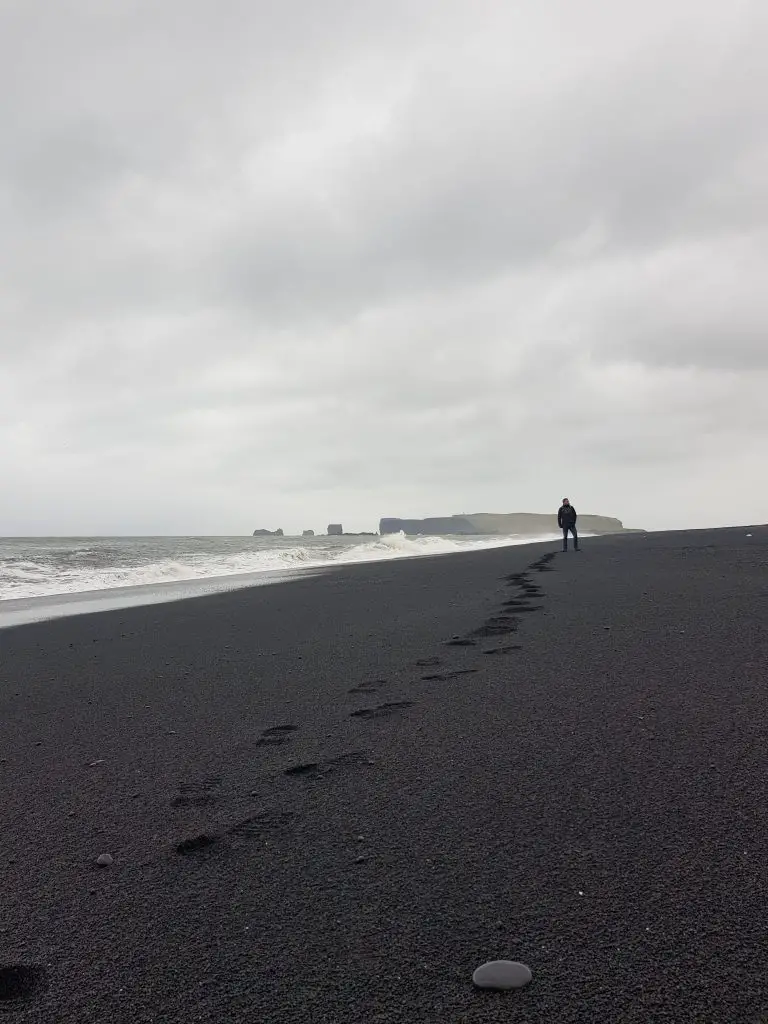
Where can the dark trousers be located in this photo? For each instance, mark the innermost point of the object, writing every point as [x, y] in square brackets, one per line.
[575, 537]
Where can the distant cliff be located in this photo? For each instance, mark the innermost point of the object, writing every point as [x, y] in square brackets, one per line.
[267, 533]
[486, 523]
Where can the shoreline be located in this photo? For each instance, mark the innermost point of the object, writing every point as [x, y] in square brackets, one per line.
[402, 769]
[43, 608]
[25, 611]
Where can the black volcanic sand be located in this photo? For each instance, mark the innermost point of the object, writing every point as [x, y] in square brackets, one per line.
[323, 809]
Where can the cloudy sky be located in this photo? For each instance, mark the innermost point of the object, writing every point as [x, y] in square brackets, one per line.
[280, 264]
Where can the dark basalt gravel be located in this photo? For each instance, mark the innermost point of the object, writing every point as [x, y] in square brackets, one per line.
[593, 805]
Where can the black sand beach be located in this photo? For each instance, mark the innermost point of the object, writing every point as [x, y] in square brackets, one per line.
[581, 787]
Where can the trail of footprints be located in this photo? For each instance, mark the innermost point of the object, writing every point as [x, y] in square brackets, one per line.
[205, 791]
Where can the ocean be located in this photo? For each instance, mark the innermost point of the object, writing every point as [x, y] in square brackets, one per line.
[46, 577]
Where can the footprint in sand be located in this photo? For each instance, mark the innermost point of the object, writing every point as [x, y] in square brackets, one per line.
[497, 625]
[276, 735]
[523, 583]
[522, 606]
[258, 826]
[444, 676]
[314, 769]
[195, 844]
[352, 759]
[383, 710]
[19, 983]
[198, 793]
[308, 770]
[368, 687]
[542, 564]
[262, 824]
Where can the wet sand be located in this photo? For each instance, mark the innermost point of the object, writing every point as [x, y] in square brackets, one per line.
[330, 800]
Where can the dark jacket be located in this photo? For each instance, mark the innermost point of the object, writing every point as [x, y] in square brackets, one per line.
[566, 516]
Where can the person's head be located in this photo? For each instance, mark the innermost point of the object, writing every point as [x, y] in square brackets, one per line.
[566, 502]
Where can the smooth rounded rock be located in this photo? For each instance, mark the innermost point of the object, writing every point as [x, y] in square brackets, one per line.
[104, 860]
[502, 974]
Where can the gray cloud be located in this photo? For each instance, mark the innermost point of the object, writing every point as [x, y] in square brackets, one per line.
[295, 263]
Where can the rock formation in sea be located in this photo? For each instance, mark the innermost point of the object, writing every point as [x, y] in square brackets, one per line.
[268, 533]
[486, 523]
[335, 530]
[308, 533]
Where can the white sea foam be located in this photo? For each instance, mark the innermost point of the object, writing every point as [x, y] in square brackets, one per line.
[398, 545]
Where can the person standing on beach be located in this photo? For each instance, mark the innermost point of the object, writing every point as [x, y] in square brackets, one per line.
[566, 520]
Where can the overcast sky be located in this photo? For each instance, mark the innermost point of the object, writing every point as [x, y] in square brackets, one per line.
[280, 264]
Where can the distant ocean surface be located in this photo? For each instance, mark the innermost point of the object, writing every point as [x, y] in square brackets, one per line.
[34, 567]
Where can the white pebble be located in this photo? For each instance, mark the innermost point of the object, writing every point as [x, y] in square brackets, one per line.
[502, 974]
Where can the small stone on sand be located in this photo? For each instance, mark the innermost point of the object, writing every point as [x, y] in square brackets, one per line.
[502, 974]
[104, 860]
